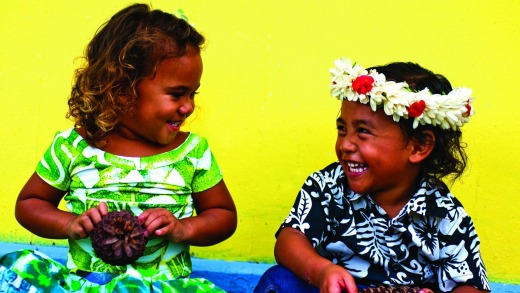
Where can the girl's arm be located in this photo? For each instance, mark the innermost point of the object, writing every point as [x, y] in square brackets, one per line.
[216, 219]
[37, 210]
[294, 251]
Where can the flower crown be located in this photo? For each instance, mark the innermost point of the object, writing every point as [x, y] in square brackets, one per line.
[354, 83]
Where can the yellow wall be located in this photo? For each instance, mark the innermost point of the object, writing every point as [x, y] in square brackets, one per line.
[264, 102]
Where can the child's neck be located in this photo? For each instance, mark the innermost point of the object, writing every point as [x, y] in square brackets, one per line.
[120, 145]
[393, 202]
[392, 210]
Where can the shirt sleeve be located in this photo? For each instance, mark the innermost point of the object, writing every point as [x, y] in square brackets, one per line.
[53, 168]
[308, 215]
[207, 171]
[462, 263]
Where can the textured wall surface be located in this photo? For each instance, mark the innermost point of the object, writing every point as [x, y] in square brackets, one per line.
[264, 103]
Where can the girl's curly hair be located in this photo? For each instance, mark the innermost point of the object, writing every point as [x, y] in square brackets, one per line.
[448, 158]
[124, 50]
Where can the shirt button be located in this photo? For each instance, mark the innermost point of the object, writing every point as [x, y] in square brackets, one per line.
[395, 266]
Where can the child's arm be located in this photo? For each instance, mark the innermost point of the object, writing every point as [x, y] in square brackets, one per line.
[37, 210]
[216, 219]
[468, 289]
[294, 251]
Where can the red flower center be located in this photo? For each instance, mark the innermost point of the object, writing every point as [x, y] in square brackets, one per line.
[363, 84]
[416, 109]
[468, 107]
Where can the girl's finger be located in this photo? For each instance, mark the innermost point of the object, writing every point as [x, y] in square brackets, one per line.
[103, 208]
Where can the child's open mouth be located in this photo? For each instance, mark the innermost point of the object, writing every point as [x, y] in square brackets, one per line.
[356, 167]
[174, 124]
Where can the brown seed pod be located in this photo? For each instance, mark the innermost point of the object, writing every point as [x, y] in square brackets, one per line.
[390, 289]
[118, 239]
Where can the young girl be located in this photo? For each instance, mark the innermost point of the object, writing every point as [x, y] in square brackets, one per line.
[381, 214]
[127, 152]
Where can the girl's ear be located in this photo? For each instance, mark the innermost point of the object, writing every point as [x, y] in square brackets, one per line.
[421, 150]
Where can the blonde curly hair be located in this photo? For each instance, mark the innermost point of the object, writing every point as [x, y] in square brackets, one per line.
[124, 50]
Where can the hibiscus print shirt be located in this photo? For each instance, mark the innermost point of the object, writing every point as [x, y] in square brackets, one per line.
[431, 243]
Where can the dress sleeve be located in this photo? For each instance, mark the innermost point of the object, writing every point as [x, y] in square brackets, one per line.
[462, 263]
[53, 168]
[308, 215]
[207, 171]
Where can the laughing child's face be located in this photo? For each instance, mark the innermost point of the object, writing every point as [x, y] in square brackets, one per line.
[374, 153]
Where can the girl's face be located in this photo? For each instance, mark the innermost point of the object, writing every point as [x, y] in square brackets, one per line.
[374, 153]
[165, 100]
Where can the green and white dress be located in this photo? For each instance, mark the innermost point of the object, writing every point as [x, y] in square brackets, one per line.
[90, 176]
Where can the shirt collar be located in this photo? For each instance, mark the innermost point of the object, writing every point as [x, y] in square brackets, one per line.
[433, 199]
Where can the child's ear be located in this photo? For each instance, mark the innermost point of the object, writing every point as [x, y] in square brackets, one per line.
[421, 150]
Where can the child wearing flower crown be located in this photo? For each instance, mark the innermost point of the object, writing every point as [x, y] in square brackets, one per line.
[127, 153]
[381, 215]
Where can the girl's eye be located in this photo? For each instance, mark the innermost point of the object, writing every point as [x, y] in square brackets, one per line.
[194, 94]
[342, 131]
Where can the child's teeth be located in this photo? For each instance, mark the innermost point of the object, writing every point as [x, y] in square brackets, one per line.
[356, 167]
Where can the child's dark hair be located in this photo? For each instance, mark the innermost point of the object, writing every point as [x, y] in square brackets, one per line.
[124, 50]
[448, 157]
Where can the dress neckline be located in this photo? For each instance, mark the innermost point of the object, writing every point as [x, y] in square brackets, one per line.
[179, 147]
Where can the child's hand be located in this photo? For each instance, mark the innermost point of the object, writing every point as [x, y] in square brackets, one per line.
[162, 222]
[82, 225]
[336, 279]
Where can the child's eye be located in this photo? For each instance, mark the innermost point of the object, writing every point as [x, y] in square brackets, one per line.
[194, 94]
[362, 130]
[342, 131]
[176, 96]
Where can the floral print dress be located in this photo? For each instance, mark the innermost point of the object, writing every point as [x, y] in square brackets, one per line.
[431, 242]
[90, 176]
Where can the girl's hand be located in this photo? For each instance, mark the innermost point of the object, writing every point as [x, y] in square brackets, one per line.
[162, 222]
[215, 219]
[82, 225]
[336, 279]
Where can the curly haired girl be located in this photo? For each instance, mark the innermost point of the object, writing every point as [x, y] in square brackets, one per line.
[127, 153]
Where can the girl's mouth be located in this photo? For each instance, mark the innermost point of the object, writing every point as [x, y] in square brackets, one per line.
[356, 167]
[174, 125]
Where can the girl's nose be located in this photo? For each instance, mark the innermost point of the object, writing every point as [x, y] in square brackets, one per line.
[187, 106]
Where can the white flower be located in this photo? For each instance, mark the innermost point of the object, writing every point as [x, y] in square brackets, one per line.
[449, 111]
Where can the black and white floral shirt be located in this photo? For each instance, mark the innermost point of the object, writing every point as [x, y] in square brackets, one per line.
[431, 242]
